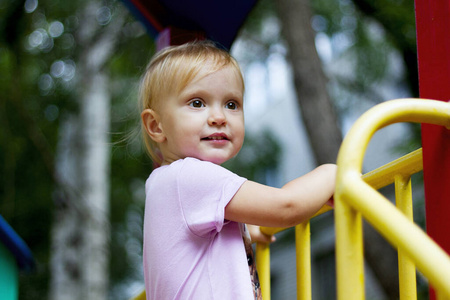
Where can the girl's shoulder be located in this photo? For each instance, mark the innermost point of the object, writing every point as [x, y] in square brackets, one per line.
[191, 162]
[187, 166]
[198, 167]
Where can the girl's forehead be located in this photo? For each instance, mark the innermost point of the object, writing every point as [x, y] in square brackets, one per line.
[211, 68]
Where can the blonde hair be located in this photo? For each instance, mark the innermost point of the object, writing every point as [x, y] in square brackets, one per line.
[171, 70]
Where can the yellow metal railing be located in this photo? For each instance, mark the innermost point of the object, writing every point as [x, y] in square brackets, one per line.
[303, 262]
[356, 197]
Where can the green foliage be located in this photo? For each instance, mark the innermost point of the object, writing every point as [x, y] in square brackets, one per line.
[369, 32]
[38, 56]
[38, 65]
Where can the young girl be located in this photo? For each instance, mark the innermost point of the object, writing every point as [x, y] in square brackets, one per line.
[193, 121]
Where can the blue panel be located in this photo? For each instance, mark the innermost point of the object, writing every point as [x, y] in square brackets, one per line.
[12, 241]
[220, 20]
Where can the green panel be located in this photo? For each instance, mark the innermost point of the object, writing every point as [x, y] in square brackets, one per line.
[8, 275]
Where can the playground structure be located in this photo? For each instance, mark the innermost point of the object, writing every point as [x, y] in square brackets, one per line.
[356, 196]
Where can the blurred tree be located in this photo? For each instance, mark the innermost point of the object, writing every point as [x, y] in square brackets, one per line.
[81, 229]
[54, 76]
[310, 82]
[69, 80]
[364, 36]
[26, 138]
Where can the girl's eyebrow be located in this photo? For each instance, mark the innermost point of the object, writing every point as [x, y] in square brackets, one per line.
[189, 93]
[238, 96]
[192, 94]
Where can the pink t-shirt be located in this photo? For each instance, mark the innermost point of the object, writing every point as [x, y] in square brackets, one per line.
[190, 251]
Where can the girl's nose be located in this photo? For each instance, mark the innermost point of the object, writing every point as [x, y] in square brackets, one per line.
[217, 117]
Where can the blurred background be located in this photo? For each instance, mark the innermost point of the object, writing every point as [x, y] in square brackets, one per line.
[73, 169]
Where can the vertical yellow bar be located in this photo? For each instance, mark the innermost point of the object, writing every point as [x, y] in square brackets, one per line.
[303, 253]
[263, 268]
[406, 267]
[349, 251]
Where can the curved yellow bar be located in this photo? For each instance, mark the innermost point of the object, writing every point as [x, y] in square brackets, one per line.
[355, 198]
[354, 146]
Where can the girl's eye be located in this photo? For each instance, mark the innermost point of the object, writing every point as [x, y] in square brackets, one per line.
[231, 105]
[196, 103]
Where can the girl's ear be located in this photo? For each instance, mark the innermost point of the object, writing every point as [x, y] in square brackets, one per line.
[152, 124]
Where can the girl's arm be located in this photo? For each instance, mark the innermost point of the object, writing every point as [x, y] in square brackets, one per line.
[294, 203]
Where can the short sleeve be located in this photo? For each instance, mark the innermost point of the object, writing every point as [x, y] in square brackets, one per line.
[204, 190]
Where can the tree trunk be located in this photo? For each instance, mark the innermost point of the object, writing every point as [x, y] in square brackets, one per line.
[321, 122]
[310, 81]
[81, 229]
[68, 221]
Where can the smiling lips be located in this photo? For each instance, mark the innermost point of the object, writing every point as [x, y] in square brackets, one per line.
[216, 137]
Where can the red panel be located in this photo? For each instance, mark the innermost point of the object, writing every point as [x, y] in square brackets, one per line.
[433, 42]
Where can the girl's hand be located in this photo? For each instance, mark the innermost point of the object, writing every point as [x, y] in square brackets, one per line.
[258, 236]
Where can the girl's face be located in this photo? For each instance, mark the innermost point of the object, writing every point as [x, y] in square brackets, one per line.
[205, 120]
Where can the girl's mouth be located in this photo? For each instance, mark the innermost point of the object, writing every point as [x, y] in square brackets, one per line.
[215, 137]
